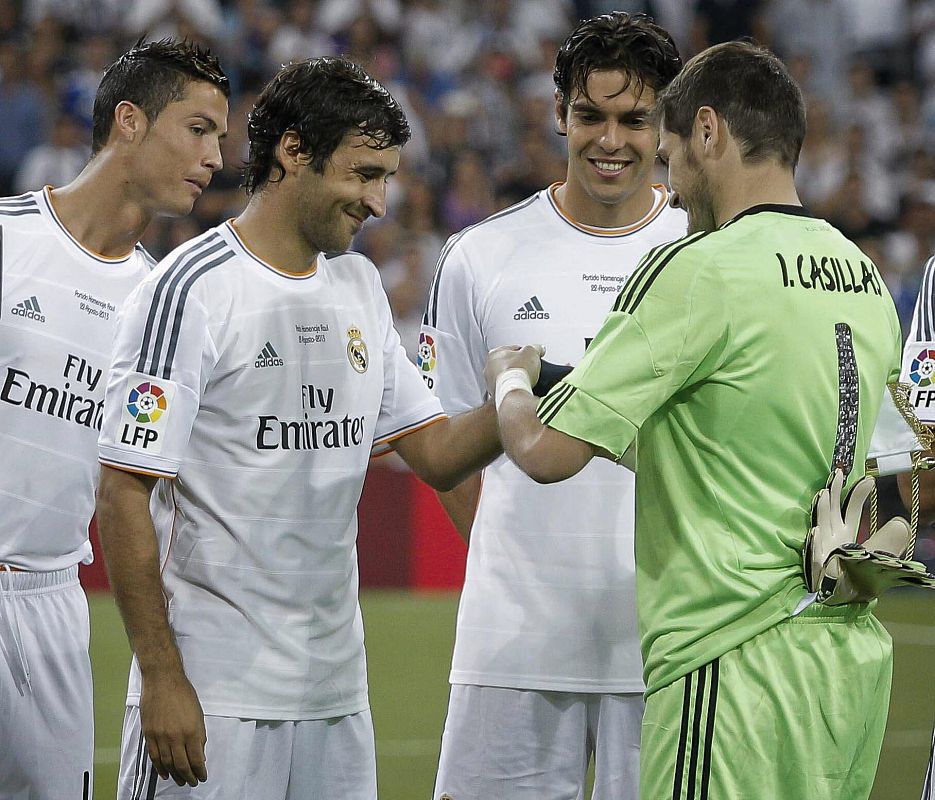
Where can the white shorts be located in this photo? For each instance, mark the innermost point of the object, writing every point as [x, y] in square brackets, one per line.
[46, 710]
[518, 744]
[331, 759]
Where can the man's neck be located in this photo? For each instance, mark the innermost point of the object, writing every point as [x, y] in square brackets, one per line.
[269, 228]
[102, 209]
[755, 185]
[585, 210]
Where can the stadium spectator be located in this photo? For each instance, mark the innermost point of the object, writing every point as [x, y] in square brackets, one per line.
[22, 110]
[57, 161]
[804, 29]
[297, 37]
[725, 20]
[196, 19]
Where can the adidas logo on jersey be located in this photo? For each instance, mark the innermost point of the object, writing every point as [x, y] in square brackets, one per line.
[531, 309]
[268, 357]
[29, 309]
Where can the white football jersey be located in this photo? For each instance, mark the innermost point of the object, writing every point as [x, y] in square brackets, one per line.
[549, 596]
[260, 395]
[58, 309]
[918, 367]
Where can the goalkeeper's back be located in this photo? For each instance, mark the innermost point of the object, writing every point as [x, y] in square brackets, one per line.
[800, 335]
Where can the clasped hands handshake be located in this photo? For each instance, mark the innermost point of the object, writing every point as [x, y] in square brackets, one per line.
[505, 366]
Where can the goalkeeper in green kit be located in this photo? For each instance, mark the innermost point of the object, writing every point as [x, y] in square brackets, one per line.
[739, 369]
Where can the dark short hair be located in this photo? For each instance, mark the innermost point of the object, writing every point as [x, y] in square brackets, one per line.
[321, 100]
[751, 89]
[632, 43]
[151, 75]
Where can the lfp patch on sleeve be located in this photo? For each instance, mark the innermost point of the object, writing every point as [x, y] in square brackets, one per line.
[147, 407]
[427, 357]
[919, 374]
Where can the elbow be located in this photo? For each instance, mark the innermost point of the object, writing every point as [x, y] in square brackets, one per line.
[543, 473]
[541, 469]
[442, 481]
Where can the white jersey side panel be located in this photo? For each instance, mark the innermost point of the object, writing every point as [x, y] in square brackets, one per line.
[58, 309]
[918, 365]
[549, 595]
[259, 396]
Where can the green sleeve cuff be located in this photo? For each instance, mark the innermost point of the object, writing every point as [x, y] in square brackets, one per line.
[570, 410]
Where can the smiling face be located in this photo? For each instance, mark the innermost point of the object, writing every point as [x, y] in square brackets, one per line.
[177, 154]
[611, 149]
[690, 186]
[350, 189]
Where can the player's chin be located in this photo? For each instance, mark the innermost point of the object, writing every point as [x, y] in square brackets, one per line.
[612, 193]
[180, 207]
[335, 244]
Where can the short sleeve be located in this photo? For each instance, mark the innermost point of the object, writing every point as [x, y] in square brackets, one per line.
[407, 403]
[160, 364]
[452, 351]
[667, 330]
[918, 355]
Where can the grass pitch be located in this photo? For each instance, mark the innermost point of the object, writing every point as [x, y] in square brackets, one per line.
[409, 639]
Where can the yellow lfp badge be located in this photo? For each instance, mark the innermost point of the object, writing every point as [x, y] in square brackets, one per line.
[357, 350]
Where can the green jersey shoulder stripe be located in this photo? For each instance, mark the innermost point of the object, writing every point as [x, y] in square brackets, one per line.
[644, 277]
[550, 405]
[645, 264]
[648, 256]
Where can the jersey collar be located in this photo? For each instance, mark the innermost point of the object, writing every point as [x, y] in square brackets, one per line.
[311, 272]
[660, 201]
[46, 195]
[776, 208]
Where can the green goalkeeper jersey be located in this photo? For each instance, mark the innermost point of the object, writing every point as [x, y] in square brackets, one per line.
[745, 363]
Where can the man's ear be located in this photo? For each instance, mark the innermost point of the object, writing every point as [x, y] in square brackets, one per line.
[559, 115]
[289, 153]
[709, 128]
[130, 121]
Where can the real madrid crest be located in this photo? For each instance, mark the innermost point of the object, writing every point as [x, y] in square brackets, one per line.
[357, 350]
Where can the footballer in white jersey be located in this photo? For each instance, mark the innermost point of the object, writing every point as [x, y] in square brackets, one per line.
[547, 645]
[253, 378]
[545, 563]
[57, 317]
[58, 309]
[918, 373]
[261, 395]
[69, 256]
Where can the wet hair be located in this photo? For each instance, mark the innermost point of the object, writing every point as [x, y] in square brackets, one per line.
[751, 89]
[151, 75]
[321, 100]
[632, 43]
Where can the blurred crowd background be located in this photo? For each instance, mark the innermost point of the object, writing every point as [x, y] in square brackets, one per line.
[474, 77]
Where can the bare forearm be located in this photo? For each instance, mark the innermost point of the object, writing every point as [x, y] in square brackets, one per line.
[131, 554]
[448, 452]
[461, 505]
[544, 454]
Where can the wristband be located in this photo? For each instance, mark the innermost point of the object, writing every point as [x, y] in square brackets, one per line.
[511, 379]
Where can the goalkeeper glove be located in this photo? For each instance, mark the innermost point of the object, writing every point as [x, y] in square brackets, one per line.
[841, 571]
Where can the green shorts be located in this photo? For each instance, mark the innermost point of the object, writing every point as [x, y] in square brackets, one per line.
[796, 713]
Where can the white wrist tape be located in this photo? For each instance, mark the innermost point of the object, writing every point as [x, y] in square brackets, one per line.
[511, 379]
